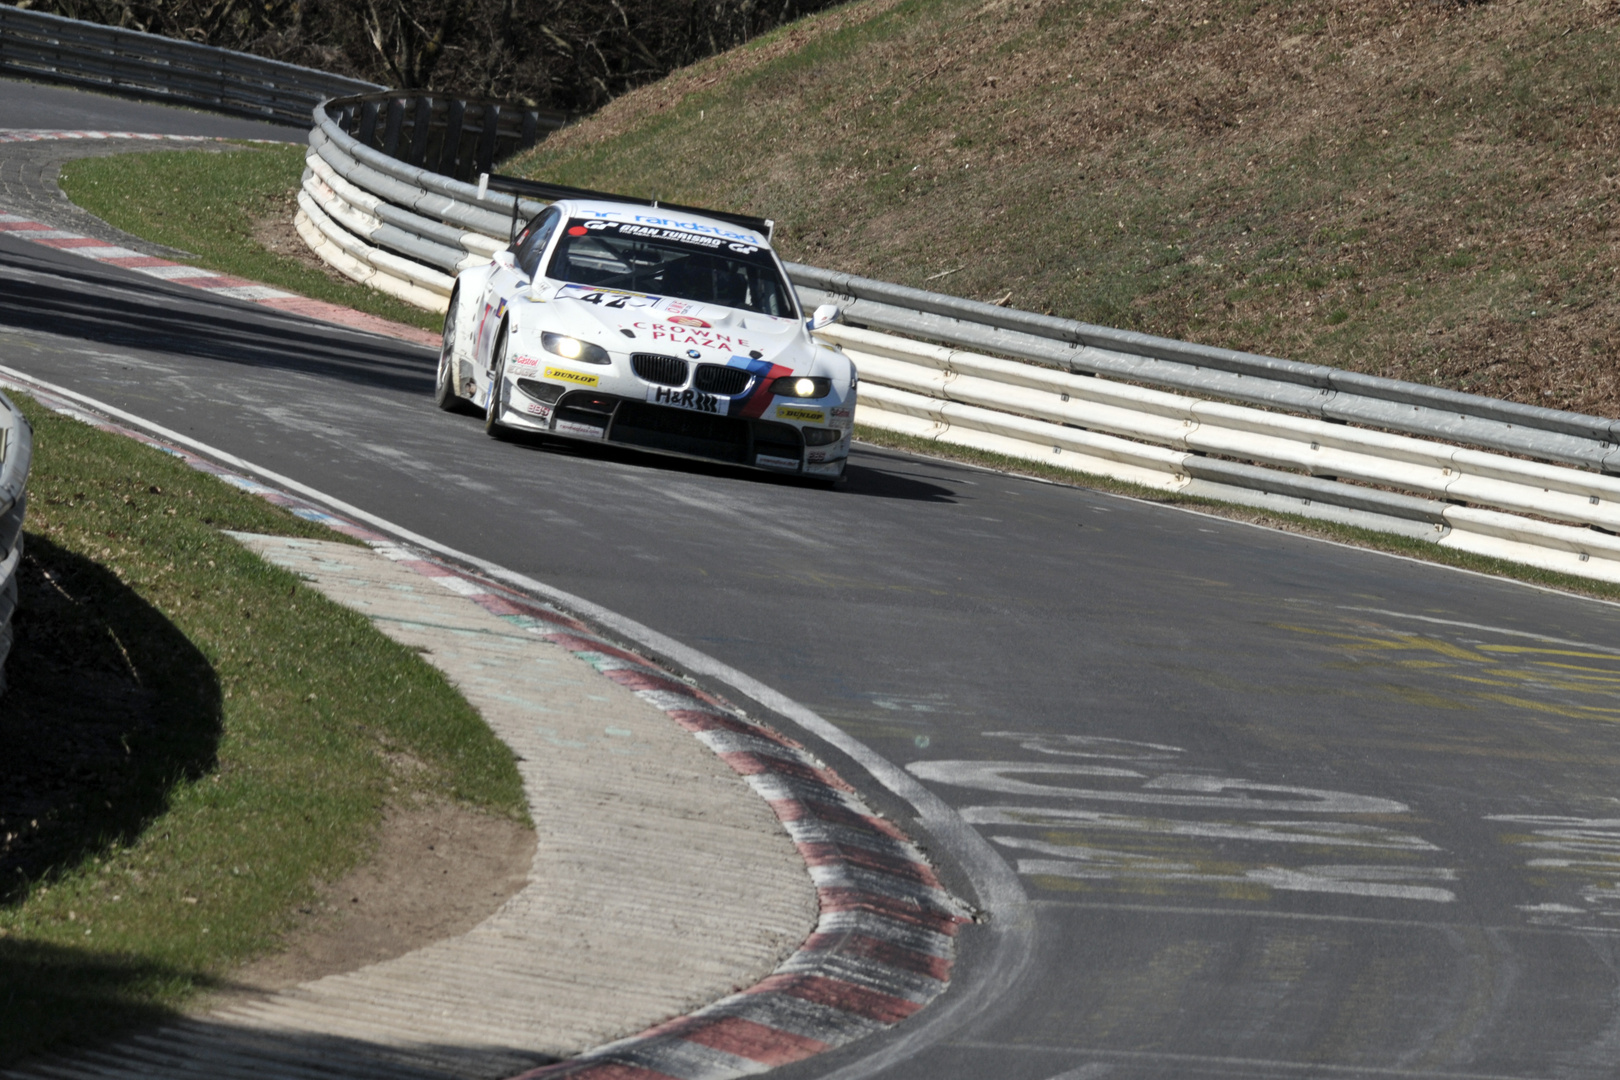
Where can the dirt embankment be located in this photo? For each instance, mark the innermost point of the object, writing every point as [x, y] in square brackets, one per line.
[1415, 189]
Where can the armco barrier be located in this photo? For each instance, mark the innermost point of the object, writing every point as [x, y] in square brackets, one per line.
[453, 137]
[1334, 445]
[1468, 499]
[35, 45]
[400, 227]
[16, 455]
[1397, 468]
[386, 200]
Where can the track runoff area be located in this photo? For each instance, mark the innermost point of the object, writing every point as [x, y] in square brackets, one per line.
[1271, 806]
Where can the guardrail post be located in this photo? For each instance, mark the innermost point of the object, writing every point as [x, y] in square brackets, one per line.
[486, 139]
[391, 128]
[452, 138]
[421, 124]
[368, 124]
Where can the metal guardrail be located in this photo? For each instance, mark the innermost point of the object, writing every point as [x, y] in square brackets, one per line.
[403, 228]
[1335, 445]
[1330, 393]
[453, 137]
[35, 45]
[16, 456]
[1472, 500]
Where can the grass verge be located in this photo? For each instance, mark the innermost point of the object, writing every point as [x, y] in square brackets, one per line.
[1419, 190]
[229, 207]
[1295, 523]
[192, 740]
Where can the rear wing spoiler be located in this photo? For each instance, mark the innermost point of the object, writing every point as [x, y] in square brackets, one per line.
[543, 192]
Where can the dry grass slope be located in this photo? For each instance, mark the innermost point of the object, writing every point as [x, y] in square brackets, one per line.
[1415, 189]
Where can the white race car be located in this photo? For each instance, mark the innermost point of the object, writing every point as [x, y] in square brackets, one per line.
[657, 327]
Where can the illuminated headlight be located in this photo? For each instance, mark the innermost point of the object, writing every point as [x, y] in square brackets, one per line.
[574, 349]
[801, 386]
[821, 436]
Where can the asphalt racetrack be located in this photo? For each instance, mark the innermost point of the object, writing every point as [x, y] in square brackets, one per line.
[1281, 808]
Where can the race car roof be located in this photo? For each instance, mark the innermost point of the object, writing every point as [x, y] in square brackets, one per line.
[535, 189]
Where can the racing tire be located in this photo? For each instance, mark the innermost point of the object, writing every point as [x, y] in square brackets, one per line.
[496, 406]
[444, 381]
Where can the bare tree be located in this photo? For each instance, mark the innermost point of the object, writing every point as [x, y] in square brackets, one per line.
[574, 55]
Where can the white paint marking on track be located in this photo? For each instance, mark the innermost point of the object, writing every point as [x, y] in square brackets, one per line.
[1315, 833]
[1100, 864]
[1201, 791]
[994, 982]
[1486, 629]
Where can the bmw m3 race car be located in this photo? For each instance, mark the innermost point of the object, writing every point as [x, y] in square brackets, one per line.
[659, 327]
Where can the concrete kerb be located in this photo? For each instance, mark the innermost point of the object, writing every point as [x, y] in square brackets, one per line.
[883, 943]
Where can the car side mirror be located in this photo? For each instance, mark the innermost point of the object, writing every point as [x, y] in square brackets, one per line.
[505, 257]
[825, 315]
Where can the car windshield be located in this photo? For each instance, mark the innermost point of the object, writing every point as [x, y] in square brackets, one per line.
[670, 262]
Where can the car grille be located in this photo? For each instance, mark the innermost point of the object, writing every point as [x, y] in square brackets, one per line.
[720, 379]
[662, 370]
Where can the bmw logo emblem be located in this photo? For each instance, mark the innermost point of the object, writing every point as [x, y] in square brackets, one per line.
[693, 353]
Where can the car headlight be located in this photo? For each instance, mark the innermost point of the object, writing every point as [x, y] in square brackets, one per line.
[574, 349]
[801, 386]
[821, 436]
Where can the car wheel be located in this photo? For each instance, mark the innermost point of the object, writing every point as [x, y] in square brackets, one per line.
[495, 408]
[444, 383]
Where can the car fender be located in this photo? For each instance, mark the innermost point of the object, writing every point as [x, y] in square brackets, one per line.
[466, 300]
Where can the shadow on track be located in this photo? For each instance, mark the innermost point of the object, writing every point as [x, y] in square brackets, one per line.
[71, 296]
[862, 477]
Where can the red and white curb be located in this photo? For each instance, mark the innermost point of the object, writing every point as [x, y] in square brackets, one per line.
[884, 943]
[49, 134]
[207, 280]
[91, 248]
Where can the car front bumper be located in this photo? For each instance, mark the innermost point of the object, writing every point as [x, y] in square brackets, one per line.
[596, 416]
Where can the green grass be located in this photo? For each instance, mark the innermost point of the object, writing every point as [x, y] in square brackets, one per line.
[207, 202]
[1422, 191]
[1327, 530]
[192, 740]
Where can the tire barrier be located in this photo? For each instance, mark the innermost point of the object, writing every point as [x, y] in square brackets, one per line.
[16, 455]
[34, 45]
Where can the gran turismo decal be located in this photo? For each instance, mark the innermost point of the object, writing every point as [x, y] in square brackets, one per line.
[768, 462]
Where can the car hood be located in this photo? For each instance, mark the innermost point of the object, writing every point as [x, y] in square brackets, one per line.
[707, 333]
